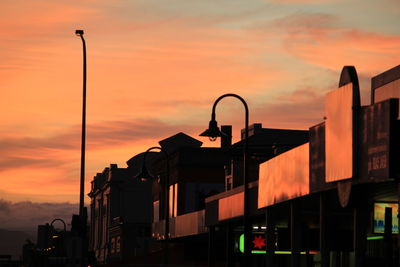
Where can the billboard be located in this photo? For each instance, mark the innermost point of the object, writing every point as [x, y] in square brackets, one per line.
[284, 177]
[339, 134]
[379, 217]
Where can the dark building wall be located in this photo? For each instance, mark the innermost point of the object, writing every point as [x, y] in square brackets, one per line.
[116, 194]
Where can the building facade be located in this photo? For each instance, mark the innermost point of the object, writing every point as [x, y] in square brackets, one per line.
[327, 196]
[120, 215]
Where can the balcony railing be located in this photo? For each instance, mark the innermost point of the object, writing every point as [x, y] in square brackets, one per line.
[184, 225]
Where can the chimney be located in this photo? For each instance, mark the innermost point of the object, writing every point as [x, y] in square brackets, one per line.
[226, 138]
[254, 128]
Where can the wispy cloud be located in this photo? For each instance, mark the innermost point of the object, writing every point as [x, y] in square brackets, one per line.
[299, 109]
[40, 152]
[319, 39]
[53, 162]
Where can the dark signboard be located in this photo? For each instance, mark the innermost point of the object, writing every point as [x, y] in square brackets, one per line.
[378, 146]
[317, 157]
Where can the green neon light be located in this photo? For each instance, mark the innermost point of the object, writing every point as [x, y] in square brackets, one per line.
[241, 246]
[283, 252]
[241, 243]
[278, 252]
[375, 237]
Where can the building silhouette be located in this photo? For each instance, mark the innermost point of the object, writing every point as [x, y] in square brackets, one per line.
[120, 215]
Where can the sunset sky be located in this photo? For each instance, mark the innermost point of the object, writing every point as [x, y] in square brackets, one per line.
[155, 68]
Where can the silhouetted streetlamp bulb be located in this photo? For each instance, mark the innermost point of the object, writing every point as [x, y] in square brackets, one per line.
[79, 32]
[144, 175]
[213, 131]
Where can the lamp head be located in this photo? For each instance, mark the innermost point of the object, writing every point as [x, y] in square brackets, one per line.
[79, 32]
[144, 175]
[213, 131]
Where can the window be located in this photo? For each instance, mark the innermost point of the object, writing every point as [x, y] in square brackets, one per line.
[173, 200]
[156, 211]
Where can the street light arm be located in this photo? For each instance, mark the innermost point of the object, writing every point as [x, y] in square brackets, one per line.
[84, 59]
[244, 104]
[166, 192]
[153, 148]
[61, 220]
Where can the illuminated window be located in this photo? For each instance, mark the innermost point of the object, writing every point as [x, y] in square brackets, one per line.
[173, 197]
[379, 217]
[156, 211]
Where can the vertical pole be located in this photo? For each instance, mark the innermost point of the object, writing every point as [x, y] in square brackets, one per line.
[166, 186]
[323, 231]
[229, 244]
[82, 211]
[360, 230]
[83, 141]
[387, 237]
[295, 234]
[211, 247]
[270, 238]
[246, 259]
[398, 223]
[246, 207]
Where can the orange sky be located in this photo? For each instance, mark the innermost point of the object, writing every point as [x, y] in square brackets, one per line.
[155, 68]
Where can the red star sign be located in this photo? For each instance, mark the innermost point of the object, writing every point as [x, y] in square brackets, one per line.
[259, 242]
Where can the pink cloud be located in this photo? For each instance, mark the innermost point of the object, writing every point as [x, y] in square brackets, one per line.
[53, 162]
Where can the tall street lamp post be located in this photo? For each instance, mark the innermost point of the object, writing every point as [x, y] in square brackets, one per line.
[213, 132]
[82, 181]
[145, 175]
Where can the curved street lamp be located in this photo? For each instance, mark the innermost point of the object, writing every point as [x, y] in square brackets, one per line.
[57, 237]
[60, 220]
[213, 132]
[145, 175]
[82, 180]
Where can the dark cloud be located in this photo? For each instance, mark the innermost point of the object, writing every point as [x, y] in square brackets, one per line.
[28, 215]
[4, 207]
